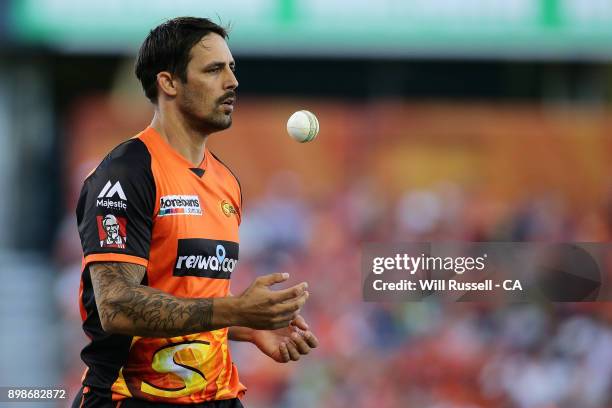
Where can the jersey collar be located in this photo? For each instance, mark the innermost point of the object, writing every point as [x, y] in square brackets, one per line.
[165, 147]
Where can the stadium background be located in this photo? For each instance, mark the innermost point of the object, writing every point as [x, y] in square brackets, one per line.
[440, 120]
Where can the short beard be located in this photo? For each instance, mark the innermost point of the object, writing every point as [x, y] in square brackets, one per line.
[217, 122]
[213, 122]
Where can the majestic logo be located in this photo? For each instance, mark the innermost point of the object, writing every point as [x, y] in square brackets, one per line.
[108, 192]
[227, 208]
[179, 205]
[206, 258]
[112, 231]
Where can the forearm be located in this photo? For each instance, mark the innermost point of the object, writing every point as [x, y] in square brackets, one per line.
[127, 307]
[239, 333]
[148, 312]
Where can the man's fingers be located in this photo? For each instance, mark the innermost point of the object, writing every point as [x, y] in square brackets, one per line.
[309, 338]
[271, 279]
[292, 306]
[282, 321]
[289, 293]
[284, 353]
[293, 352]
[300, 343]
[300, 323]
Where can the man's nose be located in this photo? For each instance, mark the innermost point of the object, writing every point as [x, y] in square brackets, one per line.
[231, 81]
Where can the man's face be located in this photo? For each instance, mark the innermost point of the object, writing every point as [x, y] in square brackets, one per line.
[207, 98]
[112, 228]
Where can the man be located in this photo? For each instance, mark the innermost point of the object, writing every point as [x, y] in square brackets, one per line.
[113, 237]
[159, 310]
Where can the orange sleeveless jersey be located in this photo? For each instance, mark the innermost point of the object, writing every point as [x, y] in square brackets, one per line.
[145, 204]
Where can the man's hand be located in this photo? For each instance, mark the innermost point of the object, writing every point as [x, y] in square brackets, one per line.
[259, 307]
[288, 343]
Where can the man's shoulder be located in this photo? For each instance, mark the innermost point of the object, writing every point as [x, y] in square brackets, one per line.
[132, 153]
[124, 175]
[131, 157]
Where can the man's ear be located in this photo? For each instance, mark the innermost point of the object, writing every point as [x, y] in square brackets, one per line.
[166, 83]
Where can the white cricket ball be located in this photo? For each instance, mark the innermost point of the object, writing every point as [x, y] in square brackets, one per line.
[303, 126]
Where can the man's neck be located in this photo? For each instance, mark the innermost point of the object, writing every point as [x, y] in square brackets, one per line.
[186, 141]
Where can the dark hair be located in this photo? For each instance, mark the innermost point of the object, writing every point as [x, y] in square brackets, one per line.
[167, 48]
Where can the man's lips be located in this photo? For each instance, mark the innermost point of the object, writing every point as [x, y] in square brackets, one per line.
[228, 104]
[229, 98]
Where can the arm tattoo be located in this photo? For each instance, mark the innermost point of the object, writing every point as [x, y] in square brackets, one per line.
[131, 308]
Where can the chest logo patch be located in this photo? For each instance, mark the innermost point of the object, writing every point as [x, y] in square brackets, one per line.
[227, 208]
[206, 258]
[179, 205]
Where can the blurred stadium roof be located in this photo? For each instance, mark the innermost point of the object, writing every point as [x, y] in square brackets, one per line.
[540, 29]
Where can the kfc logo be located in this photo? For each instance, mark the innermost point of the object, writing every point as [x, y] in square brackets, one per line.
[111, 231]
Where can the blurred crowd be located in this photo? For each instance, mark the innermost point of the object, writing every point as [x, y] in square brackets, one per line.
[459, 355]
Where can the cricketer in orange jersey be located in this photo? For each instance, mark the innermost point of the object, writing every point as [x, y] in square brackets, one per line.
[158, 221]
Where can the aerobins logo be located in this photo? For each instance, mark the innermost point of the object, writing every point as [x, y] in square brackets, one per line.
[207, 258]
[179, 205]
